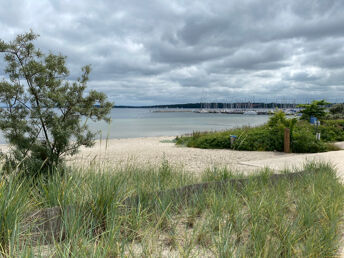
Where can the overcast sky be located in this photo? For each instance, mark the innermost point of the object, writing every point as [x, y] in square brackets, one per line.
[157, 52]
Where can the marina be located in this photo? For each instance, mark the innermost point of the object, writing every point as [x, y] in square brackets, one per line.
[242, 111]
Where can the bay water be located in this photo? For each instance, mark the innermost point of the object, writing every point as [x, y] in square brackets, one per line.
[135, 122]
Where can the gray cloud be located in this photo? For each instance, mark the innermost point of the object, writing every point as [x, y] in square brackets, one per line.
[154, 52]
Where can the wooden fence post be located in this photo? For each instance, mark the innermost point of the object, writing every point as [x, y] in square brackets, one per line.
[286, 140]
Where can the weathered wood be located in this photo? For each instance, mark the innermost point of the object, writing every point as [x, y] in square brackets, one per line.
[186, 191]
[286, 140]
[44, 226]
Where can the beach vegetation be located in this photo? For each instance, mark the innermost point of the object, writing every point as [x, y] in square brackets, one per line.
[332, 130]
[132, 212]
[45, 114]
[270, 136]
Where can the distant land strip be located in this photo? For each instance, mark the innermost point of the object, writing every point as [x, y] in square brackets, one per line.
[218, 105]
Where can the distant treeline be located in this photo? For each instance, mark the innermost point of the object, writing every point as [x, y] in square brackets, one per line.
[214, 105]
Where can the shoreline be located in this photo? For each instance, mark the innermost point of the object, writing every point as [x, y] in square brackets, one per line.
[152, 151]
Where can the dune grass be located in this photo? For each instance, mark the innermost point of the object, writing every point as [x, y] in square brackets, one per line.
[290, 218]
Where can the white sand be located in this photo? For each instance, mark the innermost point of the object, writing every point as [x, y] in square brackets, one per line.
[153, 150]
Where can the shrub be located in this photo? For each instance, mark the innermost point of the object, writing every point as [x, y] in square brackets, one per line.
[258, 138]
[270, 137]
[332, 130]
[213, 141]
[304, 140]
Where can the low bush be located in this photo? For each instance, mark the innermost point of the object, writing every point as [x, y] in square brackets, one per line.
[270, 137]
[213, 140]
[332, 130]
[304, 141]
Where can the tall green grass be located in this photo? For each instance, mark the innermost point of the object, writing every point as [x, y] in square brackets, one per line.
[298, 218]
[14, 204]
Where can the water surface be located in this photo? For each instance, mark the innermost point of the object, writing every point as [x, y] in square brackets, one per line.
[130, 123]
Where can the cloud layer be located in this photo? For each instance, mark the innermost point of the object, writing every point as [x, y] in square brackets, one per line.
[157, 52]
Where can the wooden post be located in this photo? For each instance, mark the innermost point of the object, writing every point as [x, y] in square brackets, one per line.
[286, 140]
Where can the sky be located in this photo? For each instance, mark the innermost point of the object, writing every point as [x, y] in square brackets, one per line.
[146, 52]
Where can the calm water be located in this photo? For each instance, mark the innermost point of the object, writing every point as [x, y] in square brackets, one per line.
[129, 123]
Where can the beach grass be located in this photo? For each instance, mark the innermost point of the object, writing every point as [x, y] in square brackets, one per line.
[289, 218]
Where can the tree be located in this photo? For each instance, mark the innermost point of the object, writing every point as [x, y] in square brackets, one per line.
[44, 110]
[315, 109]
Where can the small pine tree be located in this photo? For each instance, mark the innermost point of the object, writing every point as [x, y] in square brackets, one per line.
[43, 113]
[315, 109]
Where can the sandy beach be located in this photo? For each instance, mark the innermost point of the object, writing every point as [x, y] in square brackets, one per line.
[148, 151]
[153, 150]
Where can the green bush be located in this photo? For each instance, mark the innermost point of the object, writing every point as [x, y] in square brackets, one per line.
[207, 140]
[258, 138]
[304, 141]
[270, 137]
[213, 141]
[332, 130]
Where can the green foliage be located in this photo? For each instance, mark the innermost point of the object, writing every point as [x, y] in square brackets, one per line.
[332, 130]
[44, 110]
[304, 140]
[270, 137]
[214, 140]
[316, 109]
[258, 138]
